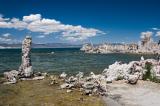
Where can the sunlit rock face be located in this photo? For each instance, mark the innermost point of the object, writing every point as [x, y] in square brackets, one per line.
[25, 70]
[133, 71]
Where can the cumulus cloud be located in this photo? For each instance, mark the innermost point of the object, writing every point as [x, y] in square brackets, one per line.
[146, 34]
[36, 23]
[32, 17]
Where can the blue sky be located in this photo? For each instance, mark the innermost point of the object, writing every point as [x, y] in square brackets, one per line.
[78, 21]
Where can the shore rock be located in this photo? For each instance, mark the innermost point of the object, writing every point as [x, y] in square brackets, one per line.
[63, 75]
[11, 76]
[80, 75]
[132, 79]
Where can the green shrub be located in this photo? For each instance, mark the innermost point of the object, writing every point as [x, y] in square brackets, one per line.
[147, 75]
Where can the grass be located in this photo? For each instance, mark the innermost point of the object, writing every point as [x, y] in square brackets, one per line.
[40, 93]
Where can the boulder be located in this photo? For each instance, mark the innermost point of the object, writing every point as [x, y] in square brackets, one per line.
[132, 79]
[11, 76]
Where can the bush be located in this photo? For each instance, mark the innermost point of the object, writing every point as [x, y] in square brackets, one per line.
[147, 75]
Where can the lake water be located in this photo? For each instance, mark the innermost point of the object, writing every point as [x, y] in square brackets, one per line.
[70, 60]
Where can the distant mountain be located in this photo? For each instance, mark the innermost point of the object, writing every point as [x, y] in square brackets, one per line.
[47, 45]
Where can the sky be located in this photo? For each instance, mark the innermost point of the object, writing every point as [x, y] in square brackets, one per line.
[79, 21]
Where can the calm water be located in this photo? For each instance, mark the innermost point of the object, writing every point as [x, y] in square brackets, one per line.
[70, 60]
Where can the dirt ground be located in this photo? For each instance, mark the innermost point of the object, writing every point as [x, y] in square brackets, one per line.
[40, 93]
[144, 93]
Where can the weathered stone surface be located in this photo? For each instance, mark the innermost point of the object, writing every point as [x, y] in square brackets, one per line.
[132, 71]
[11, 76]
[98, 84]
[25, 70]
[88, 85]
[28, 71]
[65, 85]
[132, 79]
[80, 75]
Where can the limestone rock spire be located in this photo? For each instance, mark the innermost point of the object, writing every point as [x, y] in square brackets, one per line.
[25, 70]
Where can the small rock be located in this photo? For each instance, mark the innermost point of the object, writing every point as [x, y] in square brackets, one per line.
[109, 80]
[65, 85]
[68, 90]
[39, 78]
[63, 75]
[132, 79]
[11, 76]
[71, 79]
[80, 75]
[88, 85]
[87, 92]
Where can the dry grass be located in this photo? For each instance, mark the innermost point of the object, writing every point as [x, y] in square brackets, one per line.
[40, 93]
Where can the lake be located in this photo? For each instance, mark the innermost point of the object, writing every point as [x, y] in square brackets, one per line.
[69, 60]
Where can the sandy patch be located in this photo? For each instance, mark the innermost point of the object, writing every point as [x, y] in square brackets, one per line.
[144, 93]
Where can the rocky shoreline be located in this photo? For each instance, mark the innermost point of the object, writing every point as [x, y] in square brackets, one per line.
[145, 46]
[93, 84]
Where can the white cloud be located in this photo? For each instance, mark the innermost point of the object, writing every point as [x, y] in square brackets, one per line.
[158, 33]
[32, 17]
[36, 23]
[155, 29]
[17, 24]
[146, 34]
